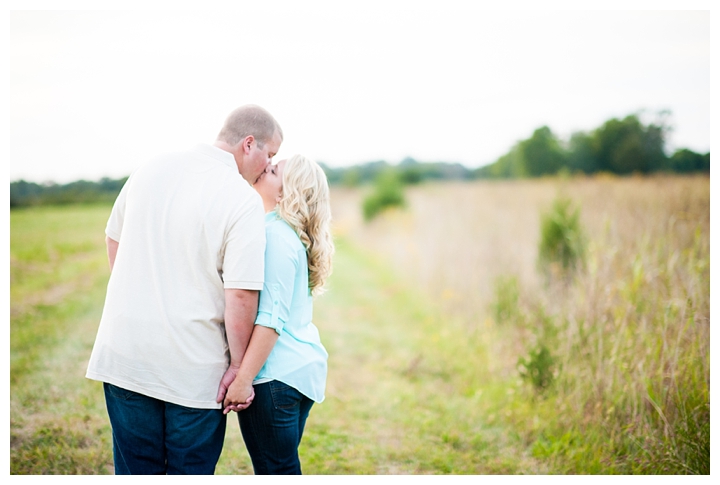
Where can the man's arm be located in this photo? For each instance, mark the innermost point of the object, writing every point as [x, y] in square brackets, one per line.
[240, 312]
[241, 390]
[282, 259]
[112, 247]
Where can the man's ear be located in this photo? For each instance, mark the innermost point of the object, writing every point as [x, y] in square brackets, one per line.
[247, 143]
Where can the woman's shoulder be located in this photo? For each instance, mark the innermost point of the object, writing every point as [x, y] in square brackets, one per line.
[279, 230]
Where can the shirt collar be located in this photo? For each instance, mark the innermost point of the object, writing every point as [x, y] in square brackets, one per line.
[271, 216]
[218, 154]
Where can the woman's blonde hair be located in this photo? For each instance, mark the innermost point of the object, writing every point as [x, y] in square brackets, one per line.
[305, 205]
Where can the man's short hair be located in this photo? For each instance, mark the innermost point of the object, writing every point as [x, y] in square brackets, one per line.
[249, 120]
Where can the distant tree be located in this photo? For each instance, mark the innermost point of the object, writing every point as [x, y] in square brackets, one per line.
[542, 153]
[411, 171]
[510, 165]
[408, 162]
[450, 171]
[620, 146]
[333, 175]
[654, 145]
[24, 193]
[411, 175]
[625, 146]
[370, 171]
[581, 156]
[685, 160]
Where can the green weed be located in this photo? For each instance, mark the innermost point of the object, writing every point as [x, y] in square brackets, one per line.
[506, 304]
[562, 240]
[538, 368]
[388, 192]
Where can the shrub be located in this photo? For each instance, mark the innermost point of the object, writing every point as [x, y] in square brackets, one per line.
[562, 240]
[388, 193]
[412, 175]
[538, 368]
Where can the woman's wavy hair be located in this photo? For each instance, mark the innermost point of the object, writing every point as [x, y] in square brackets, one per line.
[305, 205]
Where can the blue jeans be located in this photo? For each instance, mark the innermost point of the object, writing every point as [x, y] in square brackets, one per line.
[152, 437]
[272, 428]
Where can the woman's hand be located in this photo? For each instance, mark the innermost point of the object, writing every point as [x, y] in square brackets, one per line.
[239, 396]
[226, 380]
[236, 391]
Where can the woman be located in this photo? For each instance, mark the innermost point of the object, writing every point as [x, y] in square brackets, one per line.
[285, 361]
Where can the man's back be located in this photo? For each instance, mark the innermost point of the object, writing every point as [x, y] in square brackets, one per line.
[188, 226]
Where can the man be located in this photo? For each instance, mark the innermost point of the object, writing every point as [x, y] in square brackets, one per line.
[186, 244]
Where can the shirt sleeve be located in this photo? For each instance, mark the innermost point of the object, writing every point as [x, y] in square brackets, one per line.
[243, 262]
[117, 217]
[281, 266]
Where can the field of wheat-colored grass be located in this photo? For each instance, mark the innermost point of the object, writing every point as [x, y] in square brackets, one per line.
[628, 335]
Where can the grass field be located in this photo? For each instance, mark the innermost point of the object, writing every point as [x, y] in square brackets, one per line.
[429, 311]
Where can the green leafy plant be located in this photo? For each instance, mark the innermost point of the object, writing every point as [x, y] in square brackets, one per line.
[538, 368]
[388, 193]
[562, 239]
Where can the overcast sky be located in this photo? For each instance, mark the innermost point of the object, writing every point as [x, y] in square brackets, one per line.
[95, 93]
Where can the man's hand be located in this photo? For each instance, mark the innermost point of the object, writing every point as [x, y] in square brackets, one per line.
[230, 404]
[225, 382]
[240, 313]
[239, 397]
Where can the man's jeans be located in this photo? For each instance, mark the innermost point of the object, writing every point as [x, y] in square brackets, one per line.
[272, 428]
[152, 437]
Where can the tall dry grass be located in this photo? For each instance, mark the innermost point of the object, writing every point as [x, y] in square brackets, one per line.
[628, 335]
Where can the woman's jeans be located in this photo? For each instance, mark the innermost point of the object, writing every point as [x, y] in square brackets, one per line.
[153, 437]
[272, 428]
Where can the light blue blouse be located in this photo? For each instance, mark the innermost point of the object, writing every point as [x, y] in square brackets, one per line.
[298, 358]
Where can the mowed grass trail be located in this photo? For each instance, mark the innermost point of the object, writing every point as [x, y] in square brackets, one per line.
[409, 392]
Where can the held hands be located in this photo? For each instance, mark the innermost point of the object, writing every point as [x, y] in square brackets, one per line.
[239, 396]
[234, 395]
[236, 391]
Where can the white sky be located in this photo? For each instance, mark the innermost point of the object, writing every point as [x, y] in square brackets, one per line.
[95, 93]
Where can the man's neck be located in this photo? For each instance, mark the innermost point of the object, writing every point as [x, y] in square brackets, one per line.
[223, 145]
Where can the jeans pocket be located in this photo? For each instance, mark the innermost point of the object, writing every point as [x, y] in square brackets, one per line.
[284, 396]
[118, 392]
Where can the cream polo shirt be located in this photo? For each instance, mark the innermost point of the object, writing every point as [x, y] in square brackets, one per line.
[188, 227]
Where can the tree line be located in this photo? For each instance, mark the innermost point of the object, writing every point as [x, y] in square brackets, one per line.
[25, 194]
[618, 146]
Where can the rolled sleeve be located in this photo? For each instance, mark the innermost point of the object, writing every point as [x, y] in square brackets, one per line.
[281, 266]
